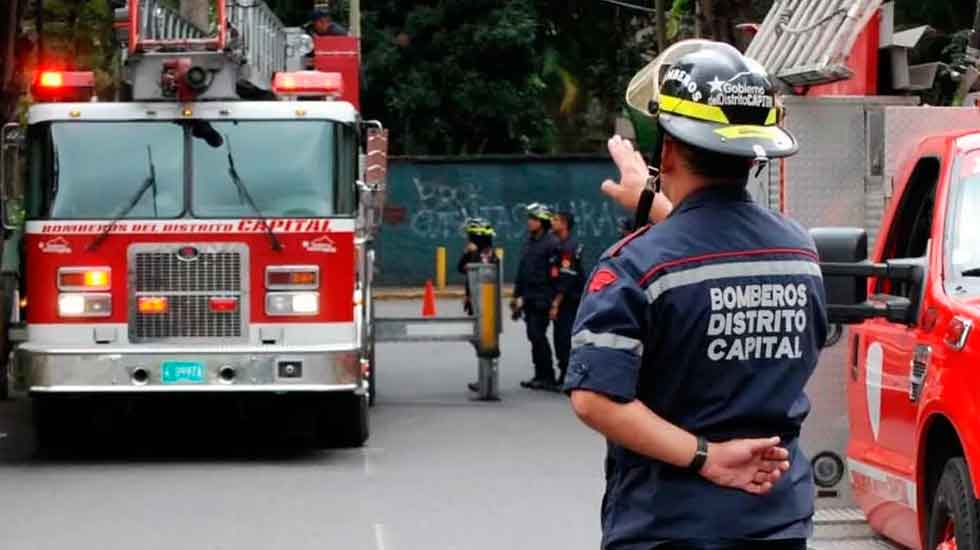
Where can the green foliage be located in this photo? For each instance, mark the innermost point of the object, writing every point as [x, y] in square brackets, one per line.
[456, 77]
[947, 16]
[78, 35]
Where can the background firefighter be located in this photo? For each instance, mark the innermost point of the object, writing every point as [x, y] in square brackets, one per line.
[569, 276]
[534, 291]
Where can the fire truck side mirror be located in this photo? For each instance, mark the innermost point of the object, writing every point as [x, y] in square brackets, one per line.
[12, 175]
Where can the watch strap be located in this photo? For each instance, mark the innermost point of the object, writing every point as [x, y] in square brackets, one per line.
[700, 456]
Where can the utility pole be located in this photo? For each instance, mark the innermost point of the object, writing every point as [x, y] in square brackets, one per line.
[355, 18]
[197, 12]
[661, 26]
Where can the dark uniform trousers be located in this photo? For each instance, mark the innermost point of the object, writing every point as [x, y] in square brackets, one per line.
[536, 320]
[563, 335]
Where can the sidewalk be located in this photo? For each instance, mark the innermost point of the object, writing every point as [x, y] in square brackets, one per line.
[416, 293]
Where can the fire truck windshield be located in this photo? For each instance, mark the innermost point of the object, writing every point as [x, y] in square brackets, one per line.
[289, 167]
[90, 170]
[963, 237]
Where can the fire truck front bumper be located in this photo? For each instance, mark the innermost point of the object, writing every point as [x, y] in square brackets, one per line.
[249, 369]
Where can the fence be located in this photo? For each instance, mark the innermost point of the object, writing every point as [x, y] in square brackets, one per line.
[428, 199]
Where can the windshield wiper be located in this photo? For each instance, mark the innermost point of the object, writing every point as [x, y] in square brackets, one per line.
[972, 272]
[243, 193]
[149, 183]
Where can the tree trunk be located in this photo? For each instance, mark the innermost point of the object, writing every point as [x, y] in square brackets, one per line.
[9, 65]
[196, 11]
[718, 18]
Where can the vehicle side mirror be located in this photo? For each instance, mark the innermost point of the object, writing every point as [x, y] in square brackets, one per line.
[12, 170]
[843, 261]
[844, 245]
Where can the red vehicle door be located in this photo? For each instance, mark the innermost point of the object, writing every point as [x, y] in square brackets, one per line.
[891, 358]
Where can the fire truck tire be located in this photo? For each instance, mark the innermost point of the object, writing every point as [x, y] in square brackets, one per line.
[372, 377]
[954, 511]
[342, 422]
[7, 286]
[51, 424]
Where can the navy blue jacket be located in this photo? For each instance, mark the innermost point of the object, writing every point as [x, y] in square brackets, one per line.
[714, 320]
[567, 269]
[534, 282]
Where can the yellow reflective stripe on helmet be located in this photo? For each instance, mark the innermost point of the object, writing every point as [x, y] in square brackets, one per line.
[773, 117]
[771, 133]
[692, 109]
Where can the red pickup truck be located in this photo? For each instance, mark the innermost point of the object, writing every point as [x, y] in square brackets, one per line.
[913, 362]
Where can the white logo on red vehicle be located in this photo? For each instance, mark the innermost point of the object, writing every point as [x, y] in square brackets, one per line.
[57, 245]
[322, 244]
[872, 369]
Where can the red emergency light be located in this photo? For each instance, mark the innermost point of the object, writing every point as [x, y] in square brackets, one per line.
[308, 83]
[64, 86]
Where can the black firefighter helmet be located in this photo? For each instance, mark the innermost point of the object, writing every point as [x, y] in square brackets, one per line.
[717, 99]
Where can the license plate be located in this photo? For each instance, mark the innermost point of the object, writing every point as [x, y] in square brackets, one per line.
[182, 372]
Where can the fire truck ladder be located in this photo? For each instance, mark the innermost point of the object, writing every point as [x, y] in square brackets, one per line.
[244, 47]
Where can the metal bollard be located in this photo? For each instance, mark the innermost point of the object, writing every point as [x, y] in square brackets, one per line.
[485, 288]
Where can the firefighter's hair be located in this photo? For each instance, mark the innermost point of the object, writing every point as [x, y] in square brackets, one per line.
[568, 217]
[711, 165]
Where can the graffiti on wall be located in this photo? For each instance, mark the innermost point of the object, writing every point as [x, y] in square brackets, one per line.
[428, 203]
[444, 207]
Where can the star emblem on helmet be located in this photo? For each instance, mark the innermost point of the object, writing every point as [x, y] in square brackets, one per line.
[716, 85]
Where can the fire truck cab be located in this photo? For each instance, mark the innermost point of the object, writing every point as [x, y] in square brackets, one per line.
[914, 453]
[211, 234]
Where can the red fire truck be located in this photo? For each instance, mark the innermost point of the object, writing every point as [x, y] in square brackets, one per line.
[211, 233]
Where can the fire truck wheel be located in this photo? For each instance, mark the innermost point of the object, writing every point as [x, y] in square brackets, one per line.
[7, 286]
[372, 378]
[342, 422]
[51, 424]
[953, 519]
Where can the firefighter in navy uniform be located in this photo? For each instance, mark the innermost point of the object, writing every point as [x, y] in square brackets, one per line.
[569, 277]
[696, 336]
[534, 291]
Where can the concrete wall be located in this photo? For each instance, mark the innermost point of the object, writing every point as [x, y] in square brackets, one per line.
[428, 199]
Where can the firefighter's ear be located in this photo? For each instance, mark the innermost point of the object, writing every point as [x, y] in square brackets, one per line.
[669, 157]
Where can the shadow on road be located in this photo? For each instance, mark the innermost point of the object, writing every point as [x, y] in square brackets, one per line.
[172, 429]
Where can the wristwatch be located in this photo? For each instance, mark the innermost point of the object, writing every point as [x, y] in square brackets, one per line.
[700, 456]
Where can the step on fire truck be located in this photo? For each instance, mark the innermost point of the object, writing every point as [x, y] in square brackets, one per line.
[211, 233]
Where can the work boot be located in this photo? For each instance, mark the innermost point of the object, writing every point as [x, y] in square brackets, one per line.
[474, 387]
[530, 383]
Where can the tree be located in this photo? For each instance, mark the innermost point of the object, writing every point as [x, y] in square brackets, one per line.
[456, 77]
[10, 57]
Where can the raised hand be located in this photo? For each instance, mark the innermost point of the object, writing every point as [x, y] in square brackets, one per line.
[633, 174]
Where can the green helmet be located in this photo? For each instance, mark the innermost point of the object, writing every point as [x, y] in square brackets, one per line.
[540, 212]
[479, 226]
[709, 95]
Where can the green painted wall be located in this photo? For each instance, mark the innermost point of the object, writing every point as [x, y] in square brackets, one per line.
[429, 199]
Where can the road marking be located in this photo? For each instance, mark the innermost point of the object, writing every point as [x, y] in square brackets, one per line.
[366, 453]
[379, 536]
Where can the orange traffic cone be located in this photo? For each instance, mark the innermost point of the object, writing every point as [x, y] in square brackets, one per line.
[429, 300]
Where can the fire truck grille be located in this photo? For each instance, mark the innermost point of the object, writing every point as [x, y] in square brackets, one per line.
[188, 284]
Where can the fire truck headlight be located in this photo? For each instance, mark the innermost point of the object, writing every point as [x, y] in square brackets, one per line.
[84, 305]
[292, 303]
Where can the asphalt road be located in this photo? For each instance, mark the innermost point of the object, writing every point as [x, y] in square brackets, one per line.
[440, 471]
